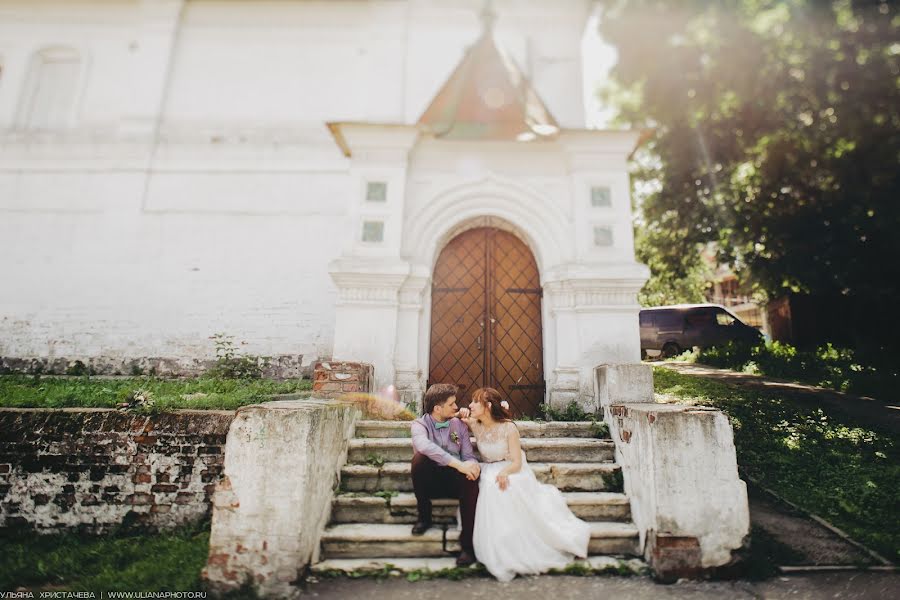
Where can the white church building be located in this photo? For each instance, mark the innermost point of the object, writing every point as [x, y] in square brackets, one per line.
[406, 183]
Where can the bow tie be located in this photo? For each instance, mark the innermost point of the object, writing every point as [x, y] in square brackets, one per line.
[441, 425]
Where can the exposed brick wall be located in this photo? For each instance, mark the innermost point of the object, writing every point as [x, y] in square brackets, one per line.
[335, 378]
[94, 469]
[285, 366]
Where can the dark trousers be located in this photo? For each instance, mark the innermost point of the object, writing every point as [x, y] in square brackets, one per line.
[433, 481]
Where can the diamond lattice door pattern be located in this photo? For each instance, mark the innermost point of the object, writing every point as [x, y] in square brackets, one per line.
[486, 318]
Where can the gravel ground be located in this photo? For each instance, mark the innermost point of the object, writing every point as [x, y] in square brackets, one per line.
[842, 585]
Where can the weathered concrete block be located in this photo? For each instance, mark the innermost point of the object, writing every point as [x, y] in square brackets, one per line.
[267, 522]
[680, 471]
[622, 384]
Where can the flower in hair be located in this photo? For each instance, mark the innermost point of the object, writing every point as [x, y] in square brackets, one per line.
[504, 404]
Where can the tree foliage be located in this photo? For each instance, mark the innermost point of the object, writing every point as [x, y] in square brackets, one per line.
[776, 136]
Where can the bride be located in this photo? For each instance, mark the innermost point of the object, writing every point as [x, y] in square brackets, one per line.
[522, 526]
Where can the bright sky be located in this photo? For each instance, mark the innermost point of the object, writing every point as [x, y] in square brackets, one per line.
[599, 58]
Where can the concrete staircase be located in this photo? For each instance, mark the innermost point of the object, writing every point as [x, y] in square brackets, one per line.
[373, 512]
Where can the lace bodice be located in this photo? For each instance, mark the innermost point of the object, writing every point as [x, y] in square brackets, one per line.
[493, 444]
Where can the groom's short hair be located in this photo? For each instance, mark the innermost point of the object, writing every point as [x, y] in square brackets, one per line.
[437, 394]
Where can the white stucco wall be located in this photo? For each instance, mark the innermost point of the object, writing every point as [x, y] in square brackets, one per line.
[197, 190]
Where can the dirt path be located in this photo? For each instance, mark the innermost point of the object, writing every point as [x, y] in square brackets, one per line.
[868, 411]
[799, 540]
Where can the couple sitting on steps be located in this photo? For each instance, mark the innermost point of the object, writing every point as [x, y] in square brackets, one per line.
[511, 522]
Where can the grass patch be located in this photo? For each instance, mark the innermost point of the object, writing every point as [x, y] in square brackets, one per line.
[825, 463]
[163, 562]
[206, 393]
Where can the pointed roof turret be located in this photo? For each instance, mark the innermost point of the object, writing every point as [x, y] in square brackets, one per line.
[487, 97]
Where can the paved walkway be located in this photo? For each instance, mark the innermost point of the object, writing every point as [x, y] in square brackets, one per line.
[844, 585]
[869, 411]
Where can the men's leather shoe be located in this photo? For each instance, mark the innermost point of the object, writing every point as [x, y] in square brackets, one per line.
[465, 559]
[421, 527]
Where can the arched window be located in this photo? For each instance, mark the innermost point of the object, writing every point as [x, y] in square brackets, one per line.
[51, 89]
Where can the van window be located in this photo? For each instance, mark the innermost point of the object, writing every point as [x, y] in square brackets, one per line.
[646, 319]
[723, 318]
[669, 321]
[701, 318]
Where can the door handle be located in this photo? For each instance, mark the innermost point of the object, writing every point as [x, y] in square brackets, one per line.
[478, 342]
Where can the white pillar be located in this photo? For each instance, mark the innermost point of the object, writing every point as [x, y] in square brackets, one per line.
[370, 272]
[365, 325]
[408, 371]
[596, 319]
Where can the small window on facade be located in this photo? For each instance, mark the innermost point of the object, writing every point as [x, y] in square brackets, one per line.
[373, 231]
[601, 196]
[376, 191]
[603, 236]
[51, 90]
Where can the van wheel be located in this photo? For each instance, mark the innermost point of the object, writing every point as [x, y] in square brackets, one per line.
[671, 349]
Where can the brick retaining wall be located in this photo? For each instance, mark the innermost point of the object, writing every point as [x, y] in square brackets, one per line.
[282, 366]
[332, 379]
[93, 469]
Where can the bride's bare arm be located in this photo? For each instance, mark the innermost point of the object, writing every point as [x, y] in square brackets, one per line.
[515, 458]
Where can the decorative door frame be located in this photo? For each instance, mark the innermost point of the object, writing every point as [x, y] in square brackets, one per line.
[493, 280]
[589, 312]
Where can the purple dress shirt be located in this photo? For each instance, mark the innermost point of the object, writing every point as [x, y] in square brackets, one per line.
[439, 444]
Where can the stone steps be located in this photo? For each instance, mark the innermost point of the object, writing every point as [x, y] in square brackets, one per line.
[399, 449]
[527, 429]
[373, 532]
[374, 540]
[400, 565]
[401, 509]
[567, 476]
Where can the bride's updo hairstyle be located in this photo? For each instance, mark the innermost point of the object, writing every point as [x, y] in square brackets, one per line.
[491, 400]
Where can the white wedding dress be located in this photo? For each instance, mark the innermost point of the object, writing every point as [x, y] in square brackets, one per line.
[526, 528]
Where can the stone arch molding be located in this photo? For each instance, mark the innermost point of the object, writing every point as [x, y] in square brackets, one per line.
[447, 212]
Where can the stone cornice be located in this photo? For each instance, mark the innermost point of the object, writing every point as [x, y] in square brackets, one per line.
[368, 280]
[587, 295]
[374, 142]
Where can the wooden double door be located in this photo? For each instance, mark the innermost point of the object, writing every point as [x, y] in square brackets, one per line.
[486, 319]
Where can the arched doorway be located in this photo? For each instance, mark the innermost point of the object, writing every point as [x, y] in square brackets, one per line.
[486, 318]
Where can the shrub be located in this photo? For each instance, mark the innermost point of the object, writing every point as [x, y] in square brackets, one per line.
[827, 366]
[231, 364]
[572, 412]
[733, 355]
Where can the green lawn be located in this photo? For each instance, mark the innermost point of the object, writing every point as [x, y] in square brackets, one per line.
[170, 561]
[206, 393]
[825, 463]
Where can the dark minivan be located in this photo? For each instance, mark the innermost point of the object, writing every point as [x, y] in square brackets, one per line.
[674, 329]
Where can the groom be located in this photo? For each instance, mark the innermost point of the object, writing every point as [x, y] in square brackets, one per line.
[444, 465]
